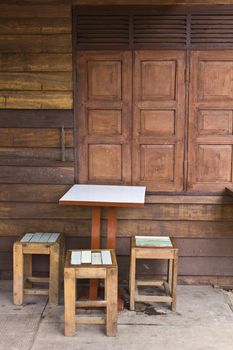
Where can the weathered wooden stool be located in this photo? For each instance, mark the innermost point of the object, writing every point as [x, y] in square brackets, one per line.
[88, 264]
[51, 244]
[151, 247]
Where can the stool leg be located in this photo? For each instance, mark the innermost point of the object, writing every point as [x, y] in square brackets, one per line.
[170, 274]
[54, 273]
[174, 282]
[132, 278]
[69, 301]
[18, 281]
[27, 269]
[61, 262]
[111, 296]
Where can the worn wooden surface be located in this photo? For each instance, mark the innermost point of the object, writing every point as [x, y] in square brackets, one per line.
[109, 273]
[158, 119]
[35, 55]
[23, 251]
[36, 50]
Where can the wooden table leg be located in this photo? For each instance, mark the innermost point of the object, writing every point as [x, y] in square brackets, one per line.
[95, 244]
[112, 224]
[111, 241]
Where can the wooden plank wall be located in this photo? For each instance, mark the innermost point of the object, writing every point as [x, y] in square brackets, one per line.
[35, 56]
[36, 103]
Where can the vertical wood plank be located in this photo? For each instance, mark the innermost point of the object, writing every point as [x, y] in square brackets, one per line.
[111, 294]
[132, 277]
[18, 273]
[54, 273]
[174, 280]
[112, 225]
[27, 269]
[69, 301]
[170, 274]
[95, 228]
[95, 244]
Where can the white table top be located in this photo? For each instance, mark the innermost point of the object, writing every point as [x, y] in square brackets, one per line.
[104, 195]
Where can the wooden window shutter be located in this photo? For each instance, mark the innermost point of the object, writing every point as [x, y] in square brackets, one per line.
[105, 31]
[159, 31]
[210, 120]
[212, 30]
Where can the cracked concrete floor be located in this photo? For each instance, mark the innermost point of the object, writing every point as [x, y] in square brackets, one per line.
[203, 321]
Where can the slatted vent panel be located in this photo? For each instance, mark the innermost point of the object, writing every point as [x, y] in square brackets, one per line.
[212, 30]
[102, 31]
[159, 30]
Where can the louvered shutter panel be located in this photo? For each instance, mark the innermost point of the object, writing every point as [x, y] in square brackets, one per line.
[159, 30]
[103, 30]
[214, 30]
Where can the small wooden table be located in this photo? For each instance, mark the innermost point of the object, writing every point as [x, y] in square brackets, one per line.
[97, 196]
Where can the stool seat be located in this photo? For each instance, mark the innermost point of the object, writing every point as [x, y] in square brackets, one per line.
[90, 264]
[154, 247]
[51, 244]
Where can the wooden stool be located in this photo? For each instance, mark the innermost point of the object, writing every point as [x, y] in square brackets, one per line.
[150, 247]
[100, 264]
[51, 244]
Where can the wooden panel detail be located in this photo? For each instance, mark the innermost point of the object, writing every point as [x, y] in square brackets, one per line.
[158, 78]
[157, 163]
[104, 113]
[210, 121]
[105, 122]
[104, 80]
[214, 122]
[215, 163]
[215, 80]
[158, 120]
[104, 162]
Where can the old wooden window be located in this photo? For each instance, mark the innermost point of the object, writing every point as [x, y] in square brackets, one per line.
[154, 97]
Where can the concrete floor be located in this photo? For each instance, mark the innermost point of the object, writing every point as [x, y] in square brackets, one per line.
[203, 321]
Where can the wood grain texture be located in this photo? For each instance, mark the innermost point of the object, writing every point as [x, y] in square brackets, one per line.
[34, 10]
[210, 127]
[36, 81]
[153, 2]
[34, 137]
[36, 100]
[37, 62]
[36, 118]
[35, 37]
[32, 193]
[104, 93]
[163, 213]
[125, 228]
[37, 174]
[23, 156]
[60, 43]
[37, 25]
[158, 120]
